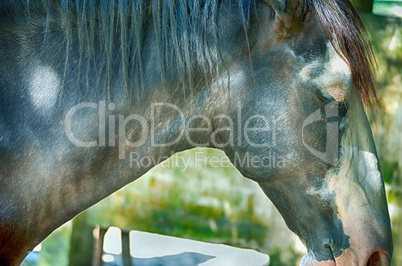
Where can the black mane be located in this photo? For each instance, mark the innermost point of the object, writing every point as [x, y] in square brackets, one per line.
[186, 35]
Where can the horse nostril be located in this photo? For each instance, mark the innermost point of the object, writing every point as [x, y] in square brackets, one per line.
[374, 259]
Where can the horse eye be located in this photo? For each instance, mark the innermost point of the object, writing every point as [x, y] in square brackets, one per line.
[343, 108]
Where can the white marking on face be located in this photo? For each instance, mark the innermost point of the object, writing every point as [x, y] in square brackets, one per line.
[356, 214]
[307, 261]
[44, 87]
[369, 171]
[355, 209]
[335, 77]
[308, 70]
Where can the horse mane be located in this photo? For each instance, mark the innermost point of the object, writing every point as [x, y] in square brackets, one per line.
[186, 37]
[349, 37]
[178, 24]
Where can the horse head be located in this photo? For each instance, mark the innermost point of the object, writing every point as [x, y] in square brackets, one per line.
[312, 71]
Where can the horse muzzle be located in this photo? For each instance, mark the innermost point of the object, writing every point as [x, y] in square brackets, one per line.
[351, 258]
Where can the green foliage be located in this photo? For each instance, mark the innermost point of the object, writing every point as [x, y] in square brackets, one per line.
[203, 203]
[281, 257]
[390, 172]
[388, 8]
[386, 37]
[55, 249]
[397, 236]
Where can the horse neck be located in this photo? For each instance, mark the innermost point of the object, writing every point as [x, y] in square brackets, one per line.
[46, 179]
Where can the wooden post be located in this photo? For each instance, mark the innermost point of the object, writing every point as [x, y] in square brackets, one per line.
[82, 241]
[99, 236]
[125, 239]
[363, 5]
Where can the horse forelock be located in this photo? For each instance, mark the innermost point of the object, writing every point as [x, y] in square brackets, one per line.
[349, 38]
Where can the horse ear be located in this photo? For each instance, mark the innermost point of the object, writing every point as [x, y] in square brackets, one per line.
[278, 5]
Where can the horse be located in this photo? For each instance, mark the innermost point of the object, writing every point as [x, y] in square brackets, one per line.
[93, 92]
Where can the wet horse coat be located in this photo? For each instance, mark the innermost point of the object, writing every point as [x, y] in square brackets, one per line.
[86, 83]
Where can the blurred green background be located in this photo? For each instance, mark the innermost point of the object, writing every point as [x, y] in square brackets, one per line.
[218, 205]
